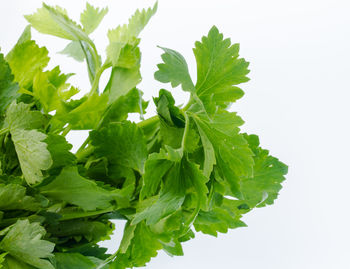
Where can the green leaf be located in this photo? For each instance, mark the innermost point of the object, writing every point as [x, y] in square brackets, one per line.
[20, 116]
[13, 196]
[59, 149]
[122, 81]
[73, 260]
[132, 102]
[155, 168]
[74, 49]
[130, 56]
[76, 261]
[31, 150]
[262, 188]
[32, 153]
[143, 246]
[25, 36]
[183, 177]
[23, 242]
[25, 60]
[233, 156]
[12, 263]
[121, 143]
[55, 21]
[128, 235]
[92, 17]
[127, 33]
[220, 218]
[8, 89]
[219, 68]
[70, 187]
[92, 231]
[174, 70]
[50, 89]
[86, 115]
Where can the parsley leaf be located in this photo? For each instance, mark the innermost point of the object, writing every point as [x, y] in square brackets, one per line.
[23, 242]
[70, 187]
[262, 188]
[128, 33]
[92, 17]
[25, 60]
[32, 153]
[174, 70]
[8, 89]
[131, 152]
[188, 167]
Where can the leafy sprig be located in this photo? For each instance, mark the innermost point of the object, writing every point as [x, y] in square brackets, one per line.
[187, 168]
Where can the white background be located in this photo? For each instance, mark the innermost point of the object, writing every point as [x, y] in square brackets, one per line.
[297, 102]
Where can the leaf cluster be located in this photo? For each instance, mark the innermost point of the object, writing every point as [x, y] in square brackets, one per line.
[187, 169]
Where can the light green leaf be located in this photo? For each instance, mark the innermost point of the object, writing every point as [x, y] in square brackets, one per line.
[121, 82]
[8, 89]
[55, 21]
[26, 35]
[74, 49]
[92, 17]
[19, 116]
[32, 153]
[87, 115]
[23, 242]
[121, 143]
[174, 70]
[127, 33]
[25, 60]
[50, 88]
[70, 187]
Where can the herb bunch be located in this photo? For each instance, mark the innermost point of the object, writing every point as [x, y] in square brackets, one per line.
[187, 168]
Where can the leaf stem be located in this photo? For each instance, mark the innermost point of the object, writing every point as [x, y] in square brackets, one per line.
[190, 102]
[183, 142]
[95, 84]
[84, 152]
[66, 130]
[147, 122]
[189, 222]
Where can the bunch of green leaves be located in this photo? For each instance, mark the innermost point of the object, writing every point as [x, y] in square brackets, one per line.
[187, 168]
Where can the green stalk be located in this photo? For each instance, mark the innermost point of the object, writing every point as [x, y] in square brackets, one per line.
[147, 122]
[84, 153]
[183, 142]
[95, 84]
[66, 130]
